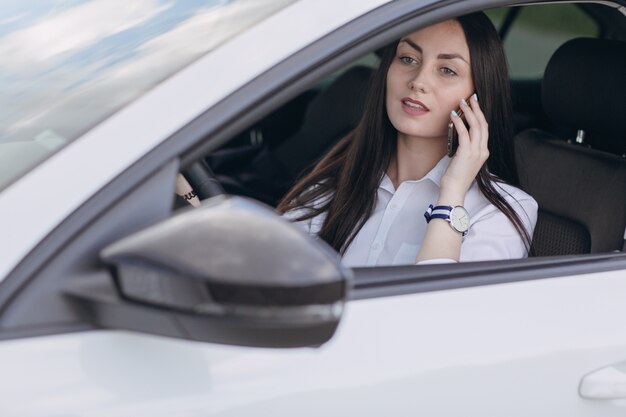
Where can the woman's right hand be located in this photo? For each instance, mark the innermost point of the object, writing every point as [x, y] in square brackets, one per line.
[471, 154]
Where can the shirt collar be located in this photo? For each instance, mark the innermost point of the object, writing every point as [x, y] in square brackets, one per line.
[433, 175]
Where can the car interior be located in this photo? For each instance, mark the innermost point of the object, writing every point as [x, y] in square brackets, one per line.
[570, 140]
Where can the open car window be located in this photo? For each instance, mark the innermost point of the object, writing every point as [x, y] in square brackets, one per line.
[263, 161]
[532, 34]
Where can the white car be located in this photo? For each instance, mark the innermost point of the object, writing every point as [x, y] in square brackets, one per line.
[114, 303]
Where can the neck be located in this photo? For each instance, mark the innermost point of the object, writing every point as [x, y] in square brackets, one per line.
[415, 157]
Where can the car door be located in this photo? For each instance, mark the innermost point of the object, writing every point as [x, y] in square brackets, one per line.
[510, 348]
[513, 338]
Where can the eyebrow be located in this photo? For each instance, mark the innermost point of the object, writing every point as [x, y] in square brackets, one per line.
[440, 56]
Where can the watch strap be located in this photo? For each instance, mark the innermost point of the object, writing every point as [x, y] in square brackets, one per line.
[444, 213]
[437, 212]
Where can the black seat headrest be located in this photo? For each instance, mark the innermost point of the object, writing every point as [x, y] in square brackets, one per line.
[584, 86]
[331, 115]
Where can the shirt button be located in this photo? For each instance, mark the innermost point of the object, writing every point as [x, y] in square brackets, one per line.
[376, 246]
[393, 206]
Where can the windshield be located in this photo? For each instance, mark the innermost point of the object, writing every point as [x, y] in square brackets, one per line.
[67, 65]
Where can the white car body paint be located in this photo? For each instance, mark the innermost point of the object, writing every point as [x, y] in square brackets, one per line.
[35, 204]
[505, 350]
[514, 349]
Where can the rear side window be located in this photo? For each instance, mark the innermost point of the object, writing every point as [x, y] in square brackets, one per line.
[537, 31]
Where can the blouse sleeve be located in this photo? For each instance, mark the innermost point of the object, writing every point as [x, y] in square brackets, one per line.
[492, 235]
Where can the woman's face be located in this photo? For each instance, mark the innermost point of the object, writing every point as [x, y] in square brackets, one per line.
[428, 77]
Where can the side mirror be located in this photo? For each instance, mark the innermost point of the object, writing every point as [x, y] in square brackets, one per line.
[231, 271]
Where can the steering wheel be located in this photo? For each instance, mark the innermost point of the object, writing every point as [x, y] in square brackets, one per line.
[202, 180]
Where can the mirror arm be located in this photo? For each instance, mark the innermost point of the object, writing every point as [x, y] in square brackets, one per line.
[99, 303]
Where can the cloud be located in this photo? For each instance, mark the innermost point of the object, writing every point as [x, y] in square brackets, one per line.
[71, 30]
[206, 29]
[13, 19]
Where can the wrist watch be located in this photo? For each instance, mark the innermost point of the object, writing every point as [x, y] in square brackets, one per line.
[456, 216]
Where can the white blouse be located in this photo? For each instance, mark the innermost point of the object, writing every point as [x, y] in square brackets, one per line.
[394, 232]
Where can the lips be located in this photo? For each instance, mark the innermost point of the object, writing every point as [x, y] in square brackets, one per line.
[414, 103]
[414, 107]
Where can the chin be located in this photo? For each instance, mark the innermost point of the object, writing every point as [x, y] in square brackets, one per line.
[419, 132]
[409, 127]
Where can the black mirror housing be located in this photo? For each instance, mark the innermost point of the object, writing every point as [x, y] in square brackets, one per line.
[234, 260]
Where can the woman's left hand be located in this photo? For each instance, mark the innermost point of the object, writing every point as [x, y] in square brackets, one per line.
[471, 153]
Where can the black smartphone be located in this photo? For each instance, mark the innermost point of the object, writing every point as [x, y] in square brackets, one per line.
[453, 135]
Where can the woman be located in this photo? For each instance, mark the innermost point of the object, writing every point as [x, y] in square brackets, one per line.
[388, 193]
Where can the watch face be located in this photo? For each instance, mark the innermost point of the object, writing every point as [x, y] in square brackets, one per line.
[459, 219]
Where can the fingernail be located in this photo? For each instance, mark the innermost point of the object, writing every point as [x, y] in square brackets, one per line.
[463, 102]
[453, 114]
[475, 97]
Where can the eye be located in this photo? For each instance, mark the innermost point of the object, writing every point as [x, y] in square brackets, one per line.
[408, 60]
[447, 71]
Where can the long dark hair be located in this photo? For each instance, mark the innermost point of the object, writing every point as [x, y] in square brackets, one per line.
[344, 183]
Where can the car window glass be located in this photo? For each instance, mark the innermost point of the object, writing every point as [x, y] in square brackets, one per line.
[66, 66]
[370, 60]
[497, 16]
[537, 32]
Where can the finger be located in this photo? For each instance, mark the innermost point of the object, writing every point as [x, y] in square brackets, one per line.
[484, 126]
[484, 146]
[463, 134]
[480, 115]
[475, 128]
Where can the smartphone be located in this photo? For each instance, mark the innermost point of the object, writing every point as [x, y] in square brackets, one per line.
[453, 135]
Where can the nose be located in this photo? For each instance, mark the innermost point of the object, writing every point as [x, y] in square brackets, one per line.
[419, 82]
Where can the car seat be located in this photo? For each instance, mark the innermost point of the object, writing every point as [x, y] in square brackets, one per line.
[266, 174]
[581, 191]
[330, 116]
